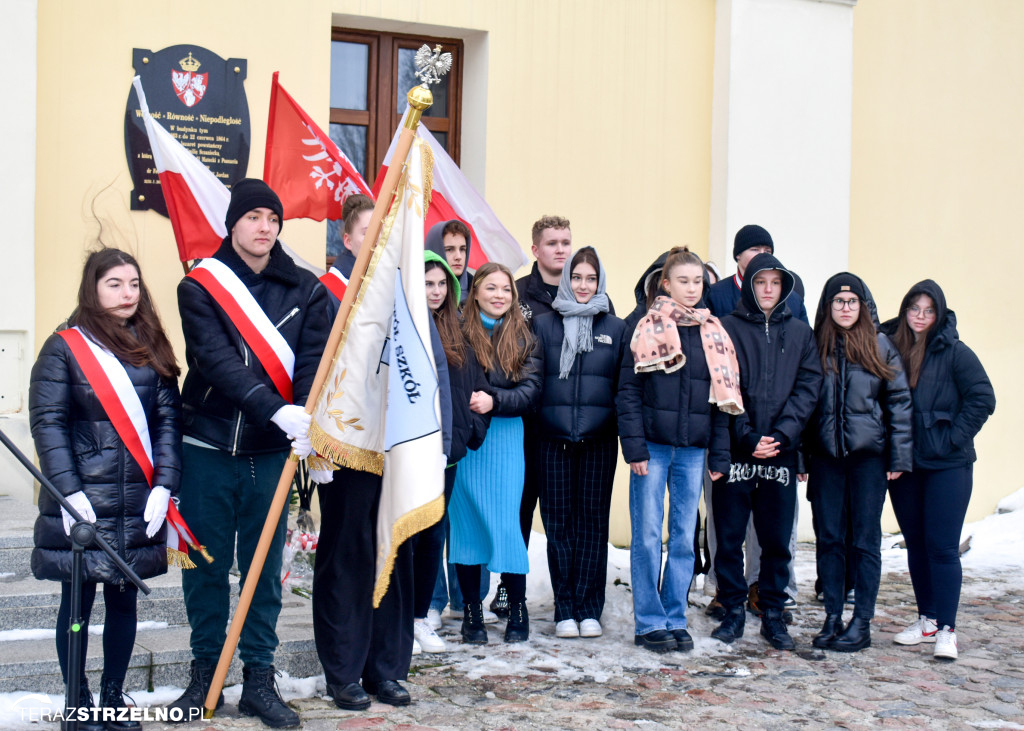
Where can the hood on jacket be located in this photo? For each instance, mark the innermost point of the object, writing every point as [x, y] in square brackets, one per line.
[824, 307]
[429, 256]
[761, 263]
[945, 318]
[656, 269]
[435, 243]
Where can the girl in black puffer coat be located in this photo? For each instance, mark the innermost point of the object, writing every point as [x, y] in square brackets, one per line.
[858, 437]
[953, 398]
[82, 454]
[580, 345]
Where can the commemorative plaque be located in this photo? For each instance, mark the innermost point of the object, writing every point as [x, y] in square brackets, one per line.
[200, 99]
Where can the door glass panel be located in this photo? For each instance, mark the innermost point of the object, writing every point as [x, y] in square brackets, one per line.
[351, 138]
[407, 79]
[349, 75]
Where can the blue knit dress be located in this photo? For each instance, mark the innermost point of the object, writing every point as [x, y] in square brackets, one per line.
[484, 509]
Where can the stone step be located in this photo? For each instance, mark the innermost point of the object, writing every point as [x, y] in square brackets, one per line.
[161, 656]
[31, 604]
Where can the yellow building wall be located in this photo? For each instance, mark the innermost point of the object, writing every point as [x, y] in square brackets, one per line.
[937, 181]
[599, 111]
[82, 178]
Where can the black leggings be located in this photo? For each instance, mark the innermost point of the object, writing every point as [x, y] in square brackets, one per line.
[118, 627]
[469, 580]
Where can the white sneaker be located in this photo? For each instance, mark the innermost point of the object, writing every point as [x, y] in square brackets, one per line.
[426, 637]
[923, 630]
[945, 645]
[434, 619]
[590, 628]
[416, 649]
[567, 628]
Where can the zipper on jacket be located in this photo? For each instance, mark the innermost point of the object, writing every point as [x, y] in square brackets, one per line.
[238, 422]
[575, 435]
[286, 318]
[122, 466]
[206, 395]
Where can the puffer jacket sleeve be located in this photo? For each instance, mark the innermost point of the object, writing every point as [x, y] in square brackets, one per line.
[49, 401]
[629, 409]
[978, 399]
[214, 349]
[444, 386]
[898, 406]
[719, 453]
[523, 396]
[802, 400]
[480, 423]
[316, 327]
[166, 433]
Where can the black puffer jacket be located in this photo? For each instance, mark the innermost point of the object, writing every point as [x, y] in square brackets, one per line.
[79, 450]
[780, 371]
[516, 398]
[581, 406]
[228, 396]
[953, 397]
[859, 413]
[535, 297]
[640, 293]
[468, 427]
[671, 408]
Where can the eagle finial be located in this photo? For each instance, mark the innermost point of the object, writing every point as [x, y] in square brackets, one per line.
[431, 65]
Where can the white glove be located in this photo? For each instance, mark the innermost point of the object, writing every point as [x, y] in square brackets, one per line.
[294, 422]
[156, 509]
[80, 503]
[321, 477]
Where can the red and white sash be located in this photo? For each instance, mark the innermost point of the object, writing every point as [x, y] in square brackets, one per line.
[335, 281]
[245, 313]
[117, 395]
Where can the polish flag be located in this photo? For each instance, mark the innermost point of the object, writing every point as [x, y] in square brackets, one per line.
[310, 173]
[455, 197]
[196, 200]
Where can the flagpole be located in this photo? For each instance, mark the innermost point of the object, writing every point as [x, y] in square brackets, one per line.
[420, 100]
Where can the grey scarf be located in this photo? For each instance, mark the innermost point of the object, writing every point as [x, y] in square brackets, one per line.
[577, 319]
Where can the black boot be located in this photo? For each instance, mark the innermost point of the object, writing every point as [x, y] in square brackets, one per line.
[190, 703]
[518, 627]
[731, 628]
[856, 637]
[112, 696]
[473, 630]
[773, 629]
[832, 628]
[499, 605]
[261, 699]
[84, 701]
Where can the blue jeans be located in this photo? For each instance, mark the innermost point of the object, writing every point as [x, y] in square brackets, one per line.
[683, 469]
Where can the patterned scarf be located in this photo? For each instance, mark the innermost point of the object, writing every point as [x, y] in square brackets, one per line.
[656, 347]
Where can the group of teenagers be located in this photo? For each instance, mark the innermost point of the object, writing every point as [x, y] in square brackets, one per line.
[717, 388]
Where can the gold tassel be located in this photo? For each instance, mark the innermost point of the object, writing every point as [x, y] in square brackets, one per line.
[207, 556]
[404, 528]
[345, 455]
[179, 559]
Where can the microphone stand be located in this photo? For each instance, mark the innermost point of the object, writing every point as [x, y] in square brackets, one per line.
[83, 535]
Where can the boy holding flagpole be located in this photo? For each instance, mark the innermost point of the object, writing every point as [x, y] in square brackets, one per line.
[254, 326]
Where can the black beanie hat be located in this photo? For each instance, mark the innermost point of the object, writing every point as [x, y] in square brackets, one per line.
[749, 236]
[248, 194]
[844, 282]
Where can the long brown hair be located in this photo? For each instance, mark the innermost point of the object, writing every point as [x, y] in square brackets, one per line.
[446, 317]
[860, 343]
[509, 346]
[911, 346]
[143, 342]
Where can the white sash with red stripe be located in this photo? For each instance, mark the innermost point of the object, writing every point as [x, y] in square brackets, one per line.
[245, 313]
[335, 281]
[120, 401]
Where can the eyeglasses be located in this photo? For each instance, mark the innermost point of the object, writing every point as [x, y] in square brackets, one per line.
[915, 311]
[838, 304]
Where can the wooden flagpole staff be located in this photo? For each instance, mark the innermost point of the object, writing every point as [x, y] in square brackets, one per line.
[420, 100]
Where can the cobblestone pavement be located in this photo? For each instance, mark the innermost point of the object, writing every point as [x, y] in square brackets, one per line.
[610, 684]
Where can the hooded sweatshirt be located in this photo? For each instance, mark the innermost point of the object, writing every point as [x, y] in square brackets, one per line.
[780, 372]
[953, 397]
[435, 243]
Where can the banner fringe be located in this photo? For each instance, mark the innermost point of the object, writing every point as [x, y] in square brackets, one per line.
[404, 528]
[179, 559]
[345, 455]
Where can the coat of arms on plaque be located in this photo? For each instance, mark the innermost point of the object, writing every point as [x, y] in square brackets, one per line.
[189, 84]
